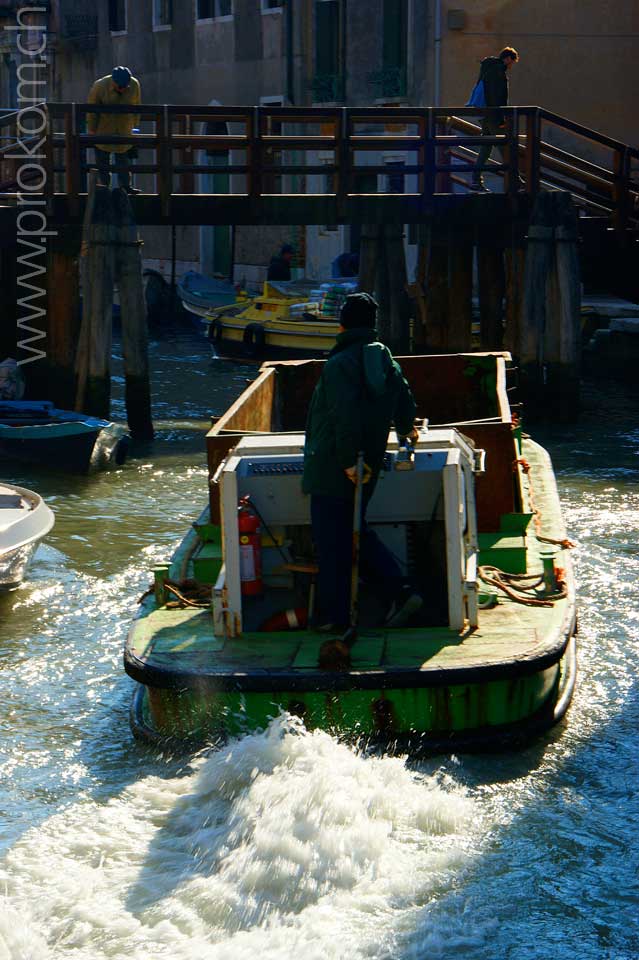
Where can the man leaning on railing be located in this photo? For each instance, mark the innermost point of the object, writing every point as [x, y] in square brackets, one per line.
[120, 87]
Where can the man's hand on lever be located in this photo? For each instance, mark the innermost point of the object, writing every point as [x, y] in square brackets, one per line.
[411, 438]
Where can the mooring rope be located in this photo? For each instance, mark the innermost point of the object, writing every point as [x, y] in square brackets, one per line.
[514, 585]
[187, 593]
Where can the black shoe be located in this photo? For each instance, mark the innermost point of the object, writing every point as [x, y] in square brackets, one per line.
[478, 186]
[334, 655]
[131, 190]
[403, 608]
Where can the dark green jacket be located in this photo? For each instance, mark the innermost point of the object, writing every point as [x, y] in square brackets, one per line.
[495, 76]
[361, 392]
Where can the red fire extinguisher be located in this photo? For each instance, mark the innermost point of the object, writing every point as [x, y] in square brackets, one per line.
[250, 533]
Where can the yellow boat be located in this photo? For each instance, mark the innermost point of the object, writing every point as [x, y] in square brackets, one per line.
[282, 322]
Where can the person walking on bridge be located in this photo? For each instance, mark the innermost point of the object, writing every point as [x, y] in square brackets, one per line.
[494, 74]
[119, 87]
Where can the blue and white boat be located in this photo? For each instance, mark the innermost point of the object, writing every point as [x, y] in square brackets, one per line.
[25, 520]
[37, 432]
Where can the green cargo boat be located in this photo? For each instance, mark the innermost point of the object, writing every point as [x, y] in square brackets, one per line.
[490, 659]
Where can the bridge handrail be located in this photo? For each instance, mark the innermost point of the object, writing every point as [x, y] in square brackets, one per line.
[434, 135]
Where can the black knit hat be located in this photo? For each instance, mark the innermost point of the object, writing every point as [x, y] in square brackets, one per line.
[359, 310]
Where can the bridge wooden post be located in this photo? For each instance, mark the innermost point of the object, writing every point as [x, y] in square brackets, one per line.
[165, 161]
[514, 265]
[491, 281]
[549, 345]
[532, 156]
[135, 348]
[254, 155]
[93, 359]
[621, 188]
[399, 308]
[72, 155]
[63, 316]
[432, 289]
[460, 290]
[368, 256]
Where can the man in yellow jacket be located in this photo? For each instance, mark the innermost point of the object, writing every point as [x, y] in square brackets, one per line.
[118, 88]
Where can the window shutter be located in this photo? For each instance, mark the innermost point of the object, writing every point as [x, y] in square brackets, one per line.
[327, 37]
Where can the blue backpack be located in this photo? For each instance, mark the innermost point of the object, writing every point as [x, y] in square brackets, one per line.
[478, 95]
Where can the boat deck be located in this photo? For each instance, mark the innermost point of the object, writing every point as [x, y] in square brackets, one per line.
[174, 647]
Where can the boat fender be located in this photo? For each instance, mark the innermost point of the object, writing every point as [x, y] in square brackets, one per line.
[295, 619]
[254, 339]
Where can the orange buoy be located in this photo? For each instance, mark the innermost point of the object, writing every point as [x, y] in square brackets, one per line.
[295, 619]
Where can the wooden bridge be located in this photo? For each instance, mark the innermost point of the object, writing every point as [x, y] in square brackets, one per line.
[272, 154]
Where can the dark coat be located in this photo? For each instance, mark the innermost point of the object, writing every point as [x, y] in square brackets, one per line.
[361, 392]
[495, 76]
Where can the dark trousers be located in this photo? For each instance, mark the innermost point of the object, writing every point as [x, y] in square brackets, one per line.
[332, 524]
[489, 128]
[102, 159]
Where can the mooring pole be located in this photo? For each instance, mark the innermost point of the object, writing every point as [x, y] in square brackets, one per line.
[135, 348]
[93, 359]
[549, 342]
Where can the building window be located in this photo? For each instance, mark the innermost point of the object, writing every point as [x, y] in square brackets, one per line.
[391, 79]
[269, 5]
[328, 84]
[162, 13]
[214, 9]
[117, 16]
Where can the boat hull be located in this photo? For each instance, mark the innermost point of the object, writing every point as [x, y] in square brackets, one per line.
[436, 716]
[24, 521]
[442, 684]
[14, 564]
[73, 452]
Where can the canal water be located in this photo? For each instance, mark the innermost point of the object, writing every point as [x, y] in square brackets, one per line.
[290, 844]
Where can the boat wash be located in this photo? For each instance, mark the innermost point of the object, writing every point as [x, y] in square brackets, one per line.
[288, 843]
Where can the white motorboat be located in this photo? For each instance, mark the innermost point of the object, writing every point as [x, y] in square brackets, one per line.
[25, 520]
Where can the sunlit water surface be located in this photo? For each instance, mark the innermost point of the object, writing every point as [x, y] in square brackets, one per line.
[290, 844]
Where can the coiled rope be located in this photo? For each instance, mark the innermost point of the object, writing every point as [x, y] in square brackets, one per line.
[522, 587]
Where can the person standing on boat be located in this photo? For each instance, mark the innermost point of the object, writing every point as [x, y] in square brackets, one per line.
[360, 394]
[120, 87]
[280, 266]
[494, 74]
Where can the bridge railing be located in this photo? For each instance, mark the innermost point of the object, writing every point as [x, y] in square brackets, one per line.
[346, 152]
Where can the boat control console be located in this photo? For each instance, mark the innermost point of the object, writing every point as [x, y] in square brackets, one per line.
[434, 490]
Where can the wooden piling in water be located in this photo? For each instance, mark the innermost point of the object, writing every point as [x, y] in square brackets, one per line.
[135, 350]
[514, 266]
[491, 284]
[63, 316]
[460, 291]
[383, 273]
[93, 359]
[550, 333]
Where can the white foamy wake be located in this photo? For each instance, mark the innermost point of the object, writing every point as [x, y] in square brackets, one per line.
[284, 844]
